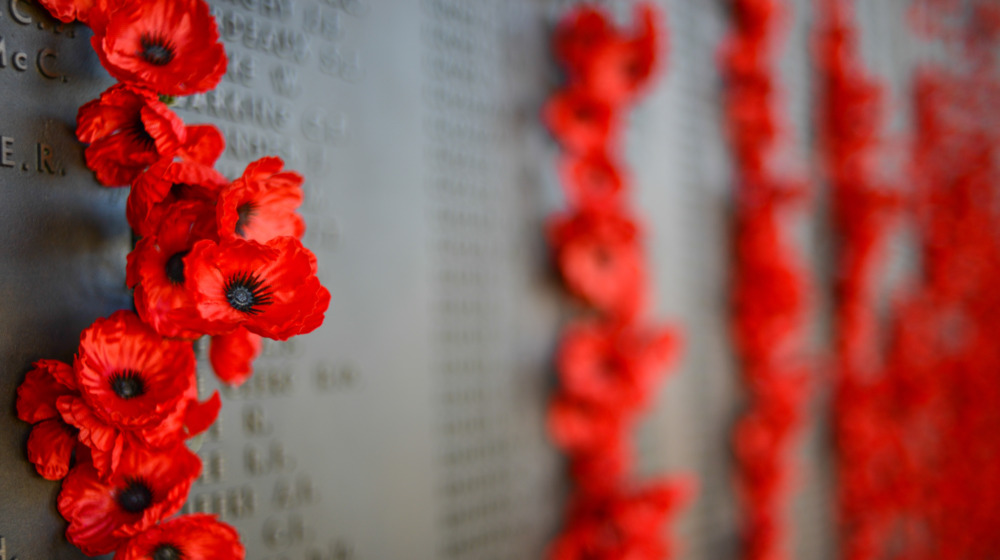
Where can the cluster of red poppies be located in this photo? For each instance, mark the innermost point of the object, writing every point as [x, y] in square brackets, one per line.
[851, 115]
[609, 362]
[917, 404]
[215, 257]
[769, 282]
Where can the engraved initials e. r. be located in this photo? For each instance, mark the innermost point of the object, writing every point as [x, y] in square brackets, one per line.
[6, 160]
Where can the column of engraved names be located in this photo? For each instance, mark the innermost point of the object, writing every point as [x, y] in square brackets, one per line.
[250, 478]
[461, 116]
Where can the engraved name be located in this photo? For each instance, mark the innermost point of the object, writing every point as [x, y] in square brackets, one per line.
[240, 107]
[41, 159]
[265, 37]
[43, 60]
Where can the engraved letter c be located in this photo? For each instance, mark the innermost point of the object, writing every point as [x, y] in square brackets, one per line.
[16, 13]
[43, 66]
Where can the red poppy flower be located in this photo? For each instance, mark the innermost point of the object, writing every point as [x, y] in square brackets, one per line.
[620, 68]
[768, 295]
[270, 289]
[205, 144]
[190, 537]
[93, 13]
[578, 426]
[592, 180]
[128, 129]
[232, 355]
[129, 375]
[601, 260]
[600, 470]
[623, 523]
[612, 365]
[579, 33]
[52, 441]
[261, 204]
[166, 182]
[156, 268]
[107, 443]
[68, 11]
[149, 486]
[644, 510]
[169, 46]
[580, 121]
[42, 385]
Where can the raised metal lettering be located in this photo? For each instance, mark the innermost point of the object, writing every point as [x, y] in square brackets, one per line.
[45, 159]
[7, 151]
[20, 61]
[16, 13]
[44, 68]
[254, 422]
[281, 533]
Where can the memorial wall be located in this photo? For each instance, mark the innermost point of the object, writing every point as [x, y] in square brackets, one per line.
[411, 424]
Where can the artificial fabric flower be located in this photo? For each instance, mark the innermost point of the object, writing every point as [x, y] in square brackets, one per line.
[148, 487]
[626, 523]
[136, 389]
[232, 355]
[189, 537]
[169, 46]
[68, 11]
[106, 443]
[620, 68]
[580, 121]
[261, 204]
[592, 179]
[128, 374]
[612, 364]
[204, 145]
[93, 13]
[168, 181]
[579, 33]
[52, 441]
[270, 289]
[156, 269]
[601, 260]
[769, 292]
[128, 129]
[578, 426]
[601, 469]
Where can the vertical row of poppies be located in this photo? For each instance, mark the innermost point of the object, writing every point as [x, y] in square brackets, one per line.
[214, 257]
[864, 208]
[947, 345]
[917, 403]
[769, 282]
[609, 360]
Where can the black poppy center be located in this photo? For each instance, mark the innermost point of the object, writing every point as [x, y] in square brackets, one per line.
[240, 297]
[167, 552]
[157, 51]
[128, 384]
[136, 497]
[141, 136]
[175, 267]
[244, 212]
[181, 190]
[247, 293]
